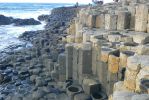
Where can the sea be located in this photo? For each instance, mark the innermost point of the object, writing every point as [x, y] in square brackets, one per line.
[9, 34]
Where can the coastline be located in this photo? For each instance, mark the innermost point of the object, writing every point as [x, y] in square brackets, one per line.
[26, 67]
[98, 52]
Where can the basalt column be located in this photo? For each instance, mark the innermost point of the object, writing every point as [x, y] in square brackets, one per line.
[85, 60]
[69, 60]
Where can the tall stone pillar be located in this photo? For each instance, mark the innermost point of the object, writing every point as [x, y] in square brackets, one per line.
[76, 62]
[123, 21]
[62, 66]
[69, 60]
[85, 60]
[110, 21]
[141, 18]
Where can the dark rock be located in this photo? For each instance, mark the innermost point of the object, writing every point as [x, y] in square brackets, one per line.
[20, 59]
[24, 74]
[41, 82]
[6, 79]
[1, 78]
[5, 20]
[28, 57]
[15, 72]
[43, 17]
[8, 71]
[21, 22]
[2, 67]
[36, 71]
[38, 94]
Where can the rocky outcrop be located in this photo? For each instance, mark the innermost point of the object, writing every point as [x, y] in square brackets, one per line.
[5, 20]
[22, 22]
[18, 22]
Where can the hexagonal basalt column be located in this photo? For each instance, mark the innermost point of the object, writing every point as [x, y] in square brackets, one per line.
[91, 86]
[72, 91]
[69, 60]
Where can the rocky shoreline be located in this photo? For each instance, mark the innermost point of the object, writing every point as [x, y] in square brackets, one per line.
[98, 52]
[25, 74]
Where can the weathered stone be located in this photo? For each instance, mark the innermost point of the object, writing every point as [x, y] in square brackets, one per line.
[140, 97]
[72, 91]
[143, 74]
[70, 38]
[126, 39]
[143, 49]
[128, 46]
[133, 63]
[123, 95]
[141, 38]
[130, 79]
[114, 37]
[90, 86]
[71, 29]
[110, 22]
[85, 59]
[111, 79]
[123, 57]
[69, 60]
[141, 18]
[105, 51]
[86, 37]
[132, 10]
[91, 22]
[79, 36]
[76, 62]
[123, 21]
[119, 86]
[102, 72]
[81, 96]
[62, 63]
[144, 86]
[100, 22]
[99, 96]
[113, 64]
[96, 53]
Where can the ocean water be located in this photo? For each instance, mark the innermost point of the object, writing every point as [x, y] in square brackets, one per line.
[9, 33]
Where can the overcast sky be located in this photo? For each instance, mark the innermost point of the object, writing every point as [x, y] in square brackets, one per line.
[53, 1]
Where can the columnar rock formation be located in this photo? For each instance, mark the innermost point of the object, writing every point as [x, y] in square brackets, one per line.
[107, 51]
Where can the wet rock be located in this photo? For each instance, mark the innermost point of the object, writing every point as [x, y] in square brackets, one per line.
[6, 79]
[38, 94]
[43, 17]
[20, 60]
[40, 82]
[21, 22]
[5, 20]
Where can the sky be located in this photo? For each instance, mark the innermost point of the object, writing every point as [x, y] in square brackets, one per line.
[52, 1]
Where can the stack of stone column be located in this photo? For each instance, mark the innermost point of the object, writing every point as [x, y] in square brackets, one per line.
[85, 61]
[141, 18]
[109, 50]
